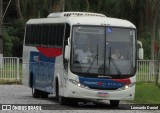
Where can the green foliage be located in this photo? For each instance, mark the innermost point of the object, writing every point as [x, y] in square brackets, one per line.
[36, 8]
[17, 47]
[132, 10]
[147, 93]
[7, 46]
[13, 39]
[146, 40]
[75, 5]
[12, 45]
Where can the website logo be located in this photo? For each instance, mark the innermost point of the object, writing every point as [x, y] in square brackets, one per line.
[6, 107]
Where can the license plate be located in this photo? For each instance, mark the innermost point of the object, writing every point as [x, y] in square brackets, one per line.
[102, 94]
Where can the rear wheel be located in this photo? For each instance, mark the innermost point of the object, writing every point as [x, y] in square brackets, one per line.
[114, 103]
[39, 94]
[44, 94]
[36, 93]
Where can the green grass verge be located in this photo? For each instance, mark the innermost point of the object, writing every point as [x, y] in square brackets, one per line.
[147, 93]
[9, 71]
[3, 81]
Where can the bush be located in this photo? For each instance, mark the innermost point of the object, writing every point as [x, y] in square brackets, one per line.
[146, 41]
[7, 45]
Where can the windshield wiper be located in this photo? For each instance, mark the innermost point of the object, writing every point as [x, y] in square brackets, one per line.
[96, 56]
[115, 65]
[117, 69]
[109, 56]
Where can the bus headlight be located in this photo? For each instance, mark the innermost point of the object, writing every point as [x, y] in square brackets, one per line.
[77, 83]
[127, 86]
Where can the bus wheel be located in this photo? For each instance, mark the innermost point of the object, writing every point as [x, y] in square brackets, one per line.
[114, 103]
[31, 80]
[36, 93]
[57, 90]
[62, 100]
[44, 94]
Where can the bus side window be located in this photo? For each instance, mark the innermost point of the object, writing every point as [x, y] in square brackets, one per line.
[28, 33]
[38, 41]
[45, 35]
[31, 42]
[60, 36]
[41, 35]
[35, 34]
[52, 35]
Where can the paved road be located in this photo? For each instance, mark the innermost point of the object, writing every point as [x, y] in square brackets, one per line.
[19, 95]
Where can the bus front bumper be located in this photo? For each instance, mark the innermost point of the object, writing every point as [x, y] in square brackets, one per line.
[75, 91]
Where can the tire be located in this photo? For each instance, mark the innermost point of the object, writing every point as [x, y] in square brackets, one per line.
[61, 100]
[57, 90]
[31, 80]
[36, 93]
[44, 94]
[114, 103]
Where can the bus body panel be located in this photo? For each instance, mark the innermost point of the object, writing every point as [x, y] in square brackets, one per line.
[75, 91]
[46, 66]
[100, 21]
[93, 94]
[42, 67]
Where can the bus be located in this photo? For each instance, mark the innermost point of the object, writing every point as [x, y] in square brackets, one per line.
[70, 54]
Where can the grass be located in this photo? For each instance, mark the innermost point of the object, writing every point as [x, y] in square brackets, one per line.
[147, 93]
[9, 82]
[10, 70]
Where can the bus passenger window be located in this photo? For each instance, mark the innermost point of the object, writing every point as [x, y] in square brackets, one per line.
[52, 35]
[38, 42]
[32, 35]
[28, 34]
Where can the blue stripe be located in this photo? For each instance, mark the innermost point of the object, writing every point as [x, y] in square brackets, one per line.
[100, 83]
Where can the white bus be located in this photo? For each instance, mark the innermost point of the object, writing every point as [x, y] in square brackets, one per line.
[71, 55]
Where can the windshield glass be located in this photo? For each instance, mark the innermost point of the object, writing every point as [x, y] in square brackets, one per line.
[103, 50]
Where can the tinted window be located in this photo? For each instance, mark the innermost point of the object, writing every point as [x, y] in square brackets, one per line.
[45, 35]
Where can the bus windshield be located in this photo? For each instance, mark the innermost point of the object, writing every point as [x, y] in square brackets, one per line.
[105, 51]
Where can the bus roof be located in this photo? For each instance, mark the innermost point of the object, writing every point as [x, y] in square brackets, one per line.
[82, 18]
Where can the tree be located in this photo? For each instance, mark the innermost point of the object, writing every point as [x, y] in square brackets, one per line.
[35, 8]
[7, 52]
[19, 13]
[152, 15]
[88, 5]
[143, 13]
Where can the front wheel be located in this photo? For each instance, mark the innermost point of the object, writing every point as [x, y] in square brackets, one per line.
[114, 103]
[61, 100]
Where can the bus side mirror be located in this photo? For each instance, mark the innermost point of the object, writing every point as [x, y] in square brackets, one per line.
[67, 51]
[140, 53]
